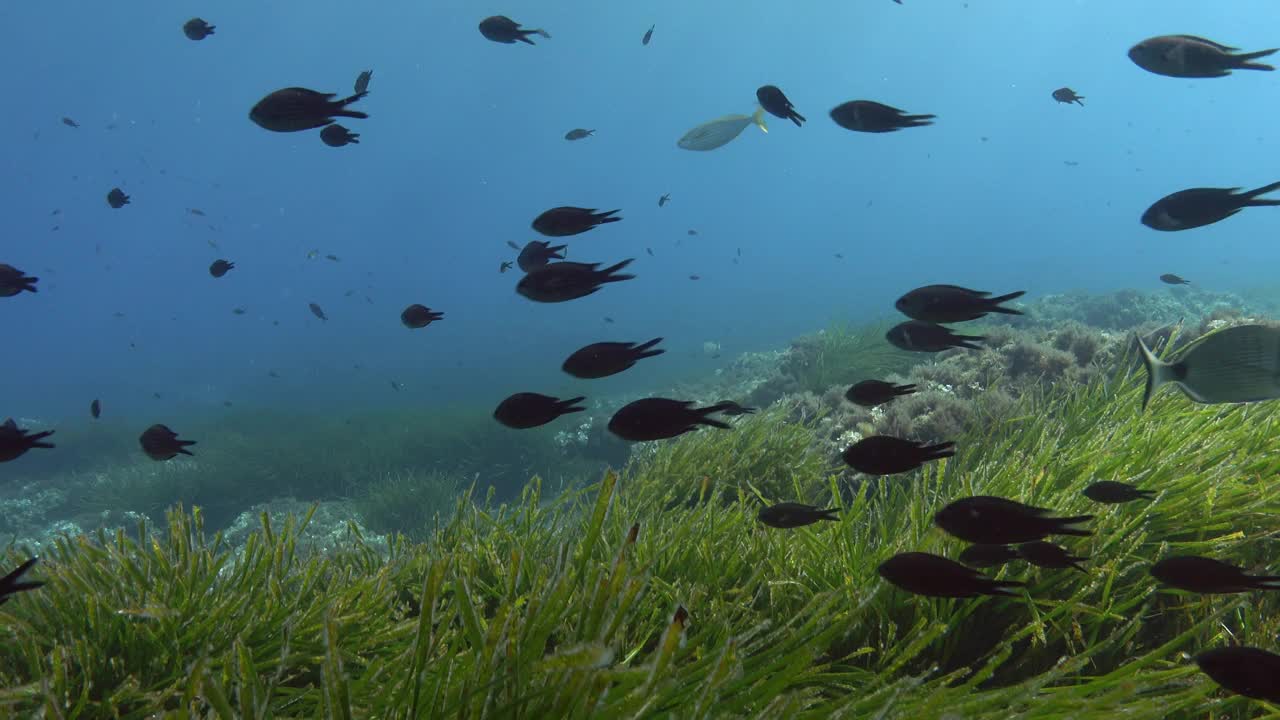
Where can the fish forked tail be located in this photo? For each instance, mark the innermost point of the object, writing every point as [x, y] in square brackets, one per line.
[9, 584]
[1003, 587]
[182, 447]
[605, 217]
[830, 514]
[607, 274]
[643, 350]
[556, 251]
[1265, 582]
[1062, 523]
[35, 440]
[1243, 62]
[1252, 196]
[939, 451]
[758, 118]
[966, 341]
[900, 390]
[704, 412]
[993, 304]
[1158, 371]
[797, 118]
[567, 406]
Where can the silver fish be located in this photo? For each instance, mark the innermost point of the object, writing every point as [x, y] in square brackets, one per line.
[716, 133]
[1238, 365]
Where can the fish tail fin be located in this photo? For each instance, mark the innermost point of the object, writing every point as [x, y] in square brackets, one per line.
[1251, 196]
[704, 412]
[939, 451]
[606, 217]
[900, 390]
[607, 274]
[1158, 372]
[542, 33]
[643, 350]
[36, 439]
[567, 406]
[966, 341]
[185, 444]
[1265, 582]
[993, 303]
[9, 583]
[1243, 61]
[1003, 587]
[1062, 523]
[830, 514]
[758, 118]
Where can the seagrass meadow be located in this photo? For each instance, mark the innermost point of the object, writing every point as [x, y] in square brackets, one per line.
[654, 592]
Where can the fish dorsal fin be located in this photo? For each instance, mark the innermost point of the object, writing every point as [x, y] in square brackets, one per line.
[1210, 43]
[10, 424]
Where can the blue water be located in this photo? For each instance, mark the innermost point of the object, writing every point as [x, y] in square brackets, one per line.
[465, 146]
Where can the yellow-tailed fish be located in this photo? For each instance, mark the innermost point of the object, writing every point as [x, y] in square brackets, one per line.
[715, 133]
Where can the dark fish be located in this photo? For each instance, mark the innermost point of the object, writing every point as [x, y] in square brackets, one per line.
[197, 29]
[787, 515]
[1209, 576]
[362, 82]
[648, 35]
[919, 336]
[1050, 556]
[664, 199]
[870, 393]
[1112, 492]
[1171, 279]
[731, 408]
[952, 303]
[578, 134]
[1245, 671]
[1067, 95]
[117, 199]
[336, 135]
[161, 443]
[564, 221]
[1197, 207]
[505, 265]
[660, 418]
[196, 211]
[70, 123]
[1189, 56]
[839, 256]
[14, 281]
[419, 316]
[274, 374]
[95, 409]
[603, 359]
[333, 258]
[396, 386]
[695, 277]
[997, 521]
[885, 455]
[608, 319]
[527, 410]
[317, 311]
[11, 584]
[511, 244]
[874, 117]
[562, 281]
[936, 576]
[503, 29]
[983, 555]
[238, 311]
[15, 442]
[538, 253]
[777, 104]
[650, 251]
[692, 232]
[220, 268]
[294, 109]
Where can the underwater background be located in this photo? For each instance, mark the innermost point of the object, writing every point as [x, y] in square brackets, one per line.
[421, 506]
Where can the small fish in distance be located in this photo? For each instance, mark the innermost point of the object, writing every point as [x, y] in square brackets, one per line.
[220, 268]
[870, 393]
[538, 253]
[504, 266]
[935, 576]
[917, 336]
[116, 198]
[997, 521]
[1208, 576]
[1171, 279]
[788, 515]
[512, 244]
[14, 281]
[885, 455]
[12, 583]
[567, 220]
[985, 555]
[564, 281]
[1247, 671]
[648, 35]
[1049, 556]
[1198, 207]
[197, 29]
[362, 82]
[70, 123]
[15, 441]
[295, 109]
[525, 410]
[776, 103]
[952, 304]
[1236, 365]
[317, 311]
[419, 316]
[733, 409]
[873, 117]
[160, 443]
[336, 135]
[502, 29]
[1068, 96]
[95, 409]
[1190, 56]
[664, 199]
[1111, 492]
[578, 134]
[603, 359]
[661, 418]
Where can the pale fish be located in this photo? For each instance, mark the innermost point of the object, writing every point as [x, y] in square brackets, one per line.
[715, 133]
[1238, 365]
